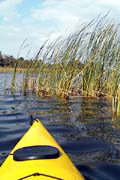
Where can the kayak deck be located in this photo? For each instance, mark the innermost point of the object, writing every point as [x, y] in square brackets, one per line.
[38, 156]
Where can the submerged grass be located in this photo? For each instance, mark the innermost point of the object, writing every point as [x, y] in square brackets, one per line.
[86, 63]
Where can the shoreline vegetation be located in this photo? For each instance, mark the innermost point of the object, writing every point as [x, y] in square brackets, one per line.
[86, 63]
[11, 69]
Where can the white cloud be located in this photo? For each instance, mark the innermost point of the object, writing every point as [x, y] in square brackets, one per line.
[60, 14]
[56, 16]
[109, 3]
[8, 9]
[51, 19]
[13, 36]
[67, 13]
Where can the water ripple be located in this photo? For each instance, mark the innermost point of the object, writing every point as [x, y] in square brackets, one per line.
[83, 128]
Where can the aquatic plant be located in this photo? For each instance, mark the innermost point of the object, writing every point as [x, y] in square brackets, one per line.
[85, 63]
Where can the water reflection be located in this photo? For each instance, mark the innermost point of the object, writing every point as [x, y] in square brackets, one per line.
[83, 127]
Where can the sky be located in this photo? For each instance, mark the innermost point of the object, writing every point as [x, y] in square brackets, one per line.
[35, 21]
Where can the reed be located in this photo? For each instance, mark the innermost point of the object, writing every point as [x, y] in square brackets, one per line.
[86, 63]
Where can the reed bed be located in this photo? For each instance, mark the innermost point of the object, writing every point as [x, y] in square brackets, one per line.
[86, 63]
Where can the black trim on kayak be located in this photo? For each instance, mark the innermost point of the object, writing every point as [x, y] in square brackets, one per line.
[38, 174]
[36, 152]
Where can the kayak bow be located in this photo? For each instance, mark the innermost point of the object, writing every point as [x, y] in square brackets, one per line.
[37, 156]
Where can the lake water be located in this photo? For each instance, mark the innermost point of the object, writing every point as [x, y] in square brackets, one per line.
[83, 127]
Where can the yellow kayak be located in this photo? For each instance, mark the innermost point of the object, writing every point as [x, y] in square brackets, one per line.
[37, 156]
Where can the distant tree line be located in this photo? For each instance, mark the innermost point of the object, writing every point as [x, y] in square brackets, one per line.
[10, 61]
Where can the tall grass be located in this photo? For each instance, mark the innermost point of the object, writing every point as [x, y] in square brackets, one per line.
[85, 63]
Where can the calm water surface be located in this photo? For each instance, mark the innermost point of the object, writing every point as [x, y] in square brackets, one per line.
[83, 127]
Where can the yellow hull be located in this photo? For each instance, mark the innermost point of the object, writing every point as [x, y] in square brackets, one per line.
[59, 167]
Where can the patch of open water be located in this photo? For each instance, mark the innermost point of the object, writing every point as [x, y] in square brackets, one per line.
[83, 127]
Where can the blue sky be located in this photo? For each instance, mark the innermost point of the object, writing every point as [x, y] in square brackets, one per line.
[38, 20]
